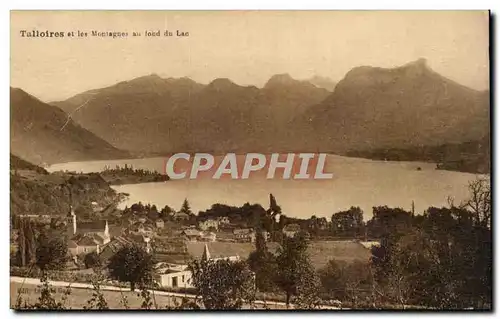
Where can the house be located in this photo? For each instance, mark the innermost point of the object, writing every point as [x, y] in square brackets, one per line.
[111, 248]
[291, 229]
[99, 227]
[178, 275]
[86, 237]
[191, 234]
[223, 220]
[266, 235]
[141, 229]
[370, 243]
[159, 223]
[206, 255]
[96, 207]
[244, 235]
[119, 242]
[174, 278]
[180, 216]
[208, 224]
[208, 236]
[83, 244]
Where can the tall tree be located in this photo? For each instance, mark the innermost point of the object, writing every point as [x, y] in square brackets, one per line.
[348, 223]
[51, 253]
[132, 264]
[223, 284]
[263, 264]
[274, 212]
[186, 208]
[26, 240]
[296, 275]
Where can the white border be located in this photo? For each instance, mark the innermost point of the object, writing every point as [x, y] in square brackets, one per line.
[190, 5]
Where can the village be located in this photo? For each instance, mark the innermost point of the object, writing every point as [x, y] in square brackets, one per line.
[176, 238]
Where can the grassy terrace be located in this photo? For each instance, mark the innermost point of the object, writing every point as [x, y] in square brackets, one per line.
[320, 252]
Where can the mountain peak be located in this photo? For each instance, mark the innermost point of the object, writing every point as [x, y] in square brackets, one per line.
[221, 84]
[411, 69]
[421, 62]
[150, 77]
[419, 65]
[280, 79]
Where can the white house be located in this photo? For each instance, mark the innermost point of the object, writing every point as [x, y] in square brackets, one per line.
[208, 224]
[173, 276]
[244, 235]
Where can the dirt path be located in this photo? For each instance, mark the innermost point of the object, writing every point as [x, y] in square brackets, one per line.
[81, 292]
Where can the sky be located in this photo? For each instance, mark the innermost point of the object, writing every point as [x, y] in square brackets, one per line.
[247, 47]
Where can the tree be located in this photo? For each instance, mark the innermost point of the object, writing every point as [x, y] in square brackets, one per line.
[97, 301]
[479, 202]
[26, 240]
[348, 223]
[223, 284]
[46, 301]
[333, 279]
[273, 213]
[307, 296]
[263, 264]
[296, 275]
[92, 260]
[316, 225]
[443, 261]
[132, 264]
[51, 253]
[347, 281]
[389, 222]
[186, 209]
[166, 213]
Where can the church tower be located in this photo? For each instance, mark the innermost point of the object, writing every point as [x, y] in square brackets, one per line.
[71, 218]
[106, 229]
[74, 223]
[206, 254]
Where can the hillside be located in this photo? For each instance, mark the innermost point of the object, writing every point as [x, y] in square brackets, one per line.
[17, 163]
[405, 106]
[34, 191]
[38, 134]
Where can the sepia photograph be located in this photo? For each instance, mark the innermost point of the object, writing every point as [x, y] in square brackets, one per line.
[250, 160]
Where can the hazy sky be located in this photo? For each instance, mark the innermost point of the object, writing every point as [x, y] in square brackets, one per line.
[246, 46]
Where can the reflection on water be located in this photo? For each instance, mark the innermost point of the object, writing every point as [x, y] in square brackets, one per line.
[356, 182]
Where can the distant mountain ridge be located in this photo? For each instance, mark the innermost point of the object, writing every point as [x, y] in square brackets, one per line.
[41, 133]
[151, 114]
[370, 108]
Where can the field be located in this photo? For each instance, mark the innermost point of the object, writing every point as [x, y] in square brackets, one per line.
[320, 252]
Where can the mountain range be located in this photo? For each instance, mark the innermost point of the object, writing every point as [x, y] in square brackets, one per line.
[370, 108]
[152, 114]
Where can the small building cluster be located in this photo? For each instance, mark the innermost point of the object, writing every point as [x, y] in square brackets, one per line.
[87, 237]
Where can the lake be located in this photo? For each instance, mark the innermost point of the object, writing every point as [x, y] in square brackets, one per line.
[356, 182]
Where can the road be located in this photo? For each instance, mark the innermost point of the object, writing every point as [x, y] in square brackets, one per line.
[21, 281]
